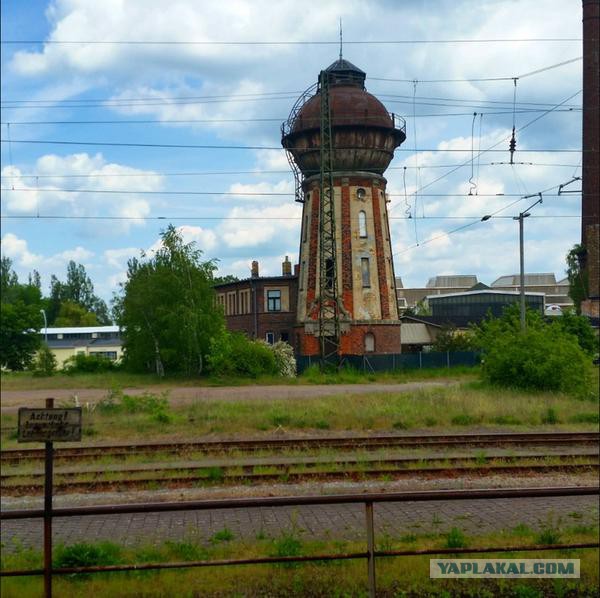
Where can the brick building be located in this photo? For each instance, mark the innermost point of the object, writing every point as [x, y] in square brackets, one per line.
[262, 307]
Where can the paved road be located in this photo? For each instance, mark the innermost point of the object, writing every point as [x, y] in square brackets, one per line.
[346, 522]
[13, 399]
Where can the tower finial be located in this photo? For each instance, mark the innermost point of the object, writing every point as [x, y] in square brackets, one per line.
[341, 38]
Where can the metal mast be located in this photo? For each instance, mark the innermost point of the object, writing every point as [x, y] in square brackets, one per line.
[329, 321]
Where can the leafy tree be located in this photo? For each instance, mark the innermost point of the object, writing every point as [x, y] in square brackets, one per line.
[167, 308]
[224, 279]
[580, 328]
[44, 363]
[234, 354]
[20, 319]
[449, 338]
[73, 314]
[35, 280]
[77, 289]
[577, 275]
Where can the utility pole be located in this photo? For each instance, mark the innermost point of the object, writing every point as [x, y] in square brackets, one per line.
[521, 217]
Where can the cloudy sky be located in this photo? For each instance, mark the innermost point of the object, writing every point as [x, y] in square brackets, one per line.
[235, 197]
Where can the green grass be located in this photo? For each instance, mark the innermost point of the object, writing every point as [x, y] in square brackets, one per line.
[395, 576]
[456, 407]
[123, 379]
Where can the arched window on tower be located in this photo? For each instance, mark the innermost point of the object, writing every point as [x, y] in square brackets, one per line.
[362, 224]
[369, 342]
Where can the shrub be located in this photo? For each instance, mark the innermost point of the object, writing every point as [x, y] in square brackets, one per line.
[285, 362]
[233, 354]
[44, 363]
[88, 363]
[542, 357]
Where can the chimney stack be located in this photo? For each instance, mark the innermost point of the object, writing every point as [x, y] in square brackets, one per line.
[296, 269]
[254, 270]
[286, 267]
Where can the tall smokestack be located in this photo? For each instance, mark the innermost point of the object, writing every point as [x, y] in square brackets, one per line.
[590, 200]
[254, 269]
[286, 267]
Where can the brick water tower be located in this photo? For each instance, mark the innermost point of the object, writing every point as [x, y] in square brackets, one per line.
[340, 139]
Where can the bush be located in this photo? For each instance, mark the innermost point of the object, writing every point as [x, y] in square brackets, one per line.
[234, 354]
[44, 363]
[88, 363]
[285, 361]
[543, 357]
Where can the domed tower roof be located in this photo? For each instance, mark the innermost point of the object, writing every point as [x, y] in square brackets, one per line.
[365, 134]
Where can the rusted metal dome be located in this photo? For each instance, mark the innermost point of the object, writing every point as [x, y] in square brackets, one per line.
[364, 133]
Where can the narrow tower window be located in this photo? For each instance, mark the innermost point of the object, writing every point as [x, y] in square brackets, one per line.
[329, 272]
[366, 272]
[362, 224]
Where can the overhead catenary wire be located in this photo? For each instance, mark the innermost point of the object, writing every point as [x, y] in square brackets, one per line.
[253, 147]
[504, 139]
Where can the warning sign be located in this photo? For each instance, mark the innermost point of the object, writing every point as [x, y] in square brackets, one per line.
[42, 425]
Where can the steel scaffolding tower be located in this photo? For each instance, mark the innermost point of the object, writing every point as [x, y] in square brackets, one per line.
[329, 321]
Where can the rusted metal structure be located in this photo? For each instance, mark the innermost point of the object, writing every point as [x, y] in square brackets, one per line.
[369, 500]
[353, 278]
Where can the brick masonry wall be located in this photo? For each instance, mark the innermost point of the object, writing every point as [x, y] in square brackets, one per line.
[383, 284]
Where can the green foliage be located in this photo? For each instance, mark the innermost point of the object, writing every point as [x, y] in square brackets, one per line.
[167, 309]
[455, 538]
[548, 535]
[463, 419]
[287, 545]
[543, 357]
[20, 319]
[224, 535]
[78, 290]
[285, 362]
[577, 275]
[44, 363]
[234, 354]
[73, 314]
[585, 418]
[88, 363]
[550, 416]
[580, 328]
[449, 338]
[83, 554]
[157, 407]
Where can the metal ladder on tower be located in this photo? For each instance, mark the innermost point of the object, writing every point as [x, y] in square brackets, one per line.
[329, 314]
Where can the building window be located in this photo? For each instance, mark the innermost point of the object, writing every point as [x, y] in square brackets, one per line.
[362, 224]
[274, 300]
[112, 355]
[369, 342]
[361, 193]
[270, 338]
[329, 273]
[231, 304]
[285, 337]
[366, 272]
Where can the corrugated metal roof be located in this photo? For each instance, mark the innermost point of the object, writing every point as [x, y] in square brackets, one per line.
[415, 334]
[399, 284]
[452, 281]
[483, 292]
[535, 279]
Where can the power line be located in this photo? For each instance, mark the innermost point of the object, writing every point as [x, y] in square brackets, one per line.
[228, 172]
[242, 218]
[482, 79]
[230, 193]
[490, 148]
[255, 147]
[289, 42]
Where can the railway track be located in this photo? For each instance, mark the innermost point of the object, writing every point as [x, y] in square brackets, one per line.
[122, 451]
[252, 471]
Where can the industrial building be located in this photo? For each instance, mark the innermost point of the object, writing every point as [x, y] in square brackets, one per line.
[101, 341]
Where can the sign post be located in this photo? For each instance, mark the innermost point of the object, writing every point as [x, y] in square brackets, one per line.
[49, 425]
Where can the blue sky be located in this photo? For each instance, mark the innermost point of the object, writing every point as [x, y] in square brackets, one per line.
[237, 95]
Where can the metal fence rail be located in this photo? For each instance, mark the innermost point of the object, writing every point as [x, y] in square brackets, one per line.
[367, 499]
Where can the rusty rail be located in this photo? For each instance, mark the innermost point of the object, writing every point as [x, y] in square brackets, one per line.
[367, 499]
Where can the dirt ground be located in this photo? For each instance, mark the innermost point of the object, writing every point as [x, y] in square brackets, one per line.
[11, 400]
